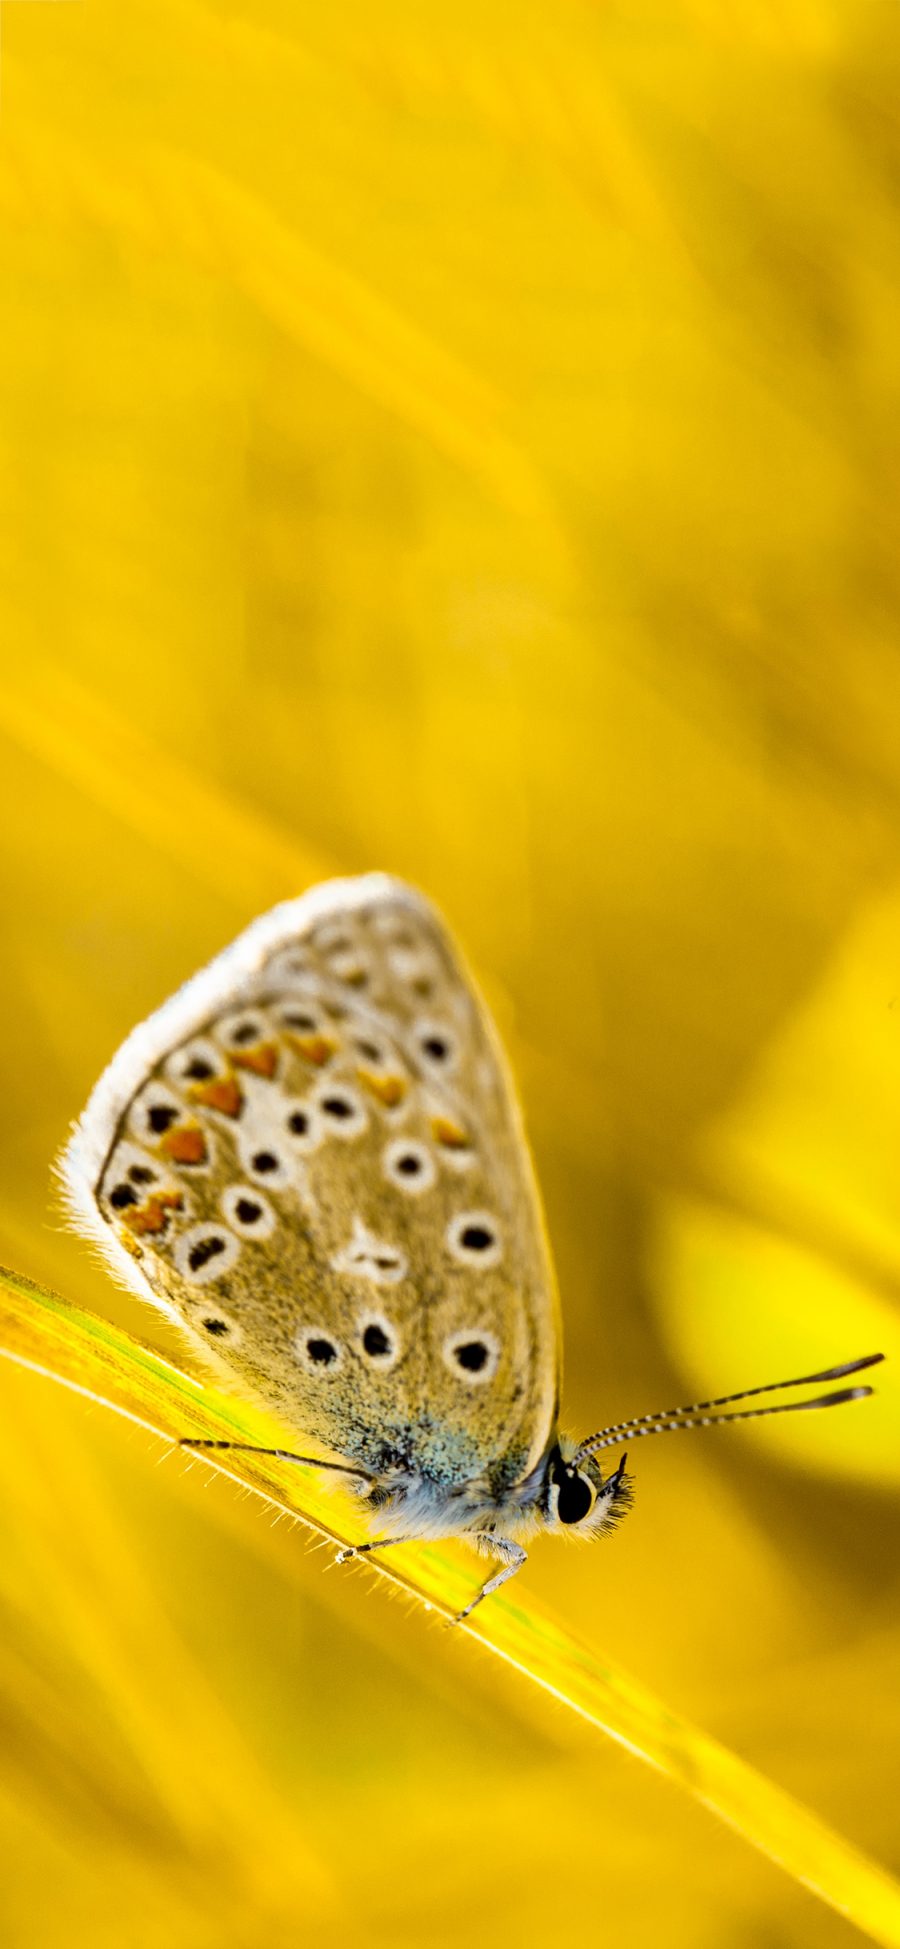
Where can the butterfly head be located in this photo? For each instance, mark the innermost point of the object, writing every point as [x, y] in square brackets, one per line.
[578, 1497]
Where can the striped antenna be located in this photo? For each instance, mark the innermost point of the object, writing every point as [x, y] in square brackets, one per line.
[696, 1416]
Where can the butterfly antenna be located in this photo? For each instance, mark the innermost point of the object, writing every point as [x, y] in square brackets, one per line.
[697, 1415]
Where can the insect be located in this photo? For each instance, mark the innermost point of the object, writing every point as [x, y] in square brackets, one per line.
[313, 1159]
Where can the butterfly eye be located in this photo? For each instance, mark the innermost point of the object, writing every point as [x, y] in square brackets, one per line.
[575, 1496]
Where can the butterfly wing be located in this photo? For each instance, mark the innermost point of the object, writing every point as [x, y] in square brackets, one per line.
[313, 1158]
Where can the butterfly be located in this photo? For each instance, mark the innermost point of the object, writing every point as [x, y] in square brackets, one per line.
[313, 1159]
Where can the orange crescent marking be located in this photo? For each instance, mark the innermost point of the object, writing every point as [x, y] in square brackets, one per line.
[389, 1090]
[315, 1048]
[185, 1144]
[153, 1215]
[221, 1094]
[262, 1058]
[449, 1134]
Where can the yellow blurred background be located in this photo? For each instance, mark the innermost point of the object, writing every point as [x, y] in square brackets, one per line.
[463, 441]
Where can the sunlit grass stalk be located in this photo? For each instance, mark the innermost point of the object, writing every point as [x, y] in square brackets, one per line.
[87, 1354]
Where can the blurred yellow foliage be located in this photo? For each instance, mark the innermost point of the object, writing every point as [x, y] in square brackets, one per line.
[463, 441]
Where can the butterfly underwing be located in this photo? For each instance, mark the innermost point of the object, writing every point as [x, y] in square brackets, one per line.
[313, 1159]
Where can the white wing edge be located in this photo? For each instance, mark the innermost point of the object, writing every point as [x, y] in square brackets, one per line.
[80, 1164]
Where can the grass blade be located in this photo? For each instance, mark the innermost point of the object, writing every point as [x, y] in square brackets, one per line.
[84, 1352]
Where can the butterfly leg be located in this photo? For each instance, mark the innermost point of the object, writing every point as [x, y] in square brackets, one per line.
[363, 1549]
[514, 1556]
